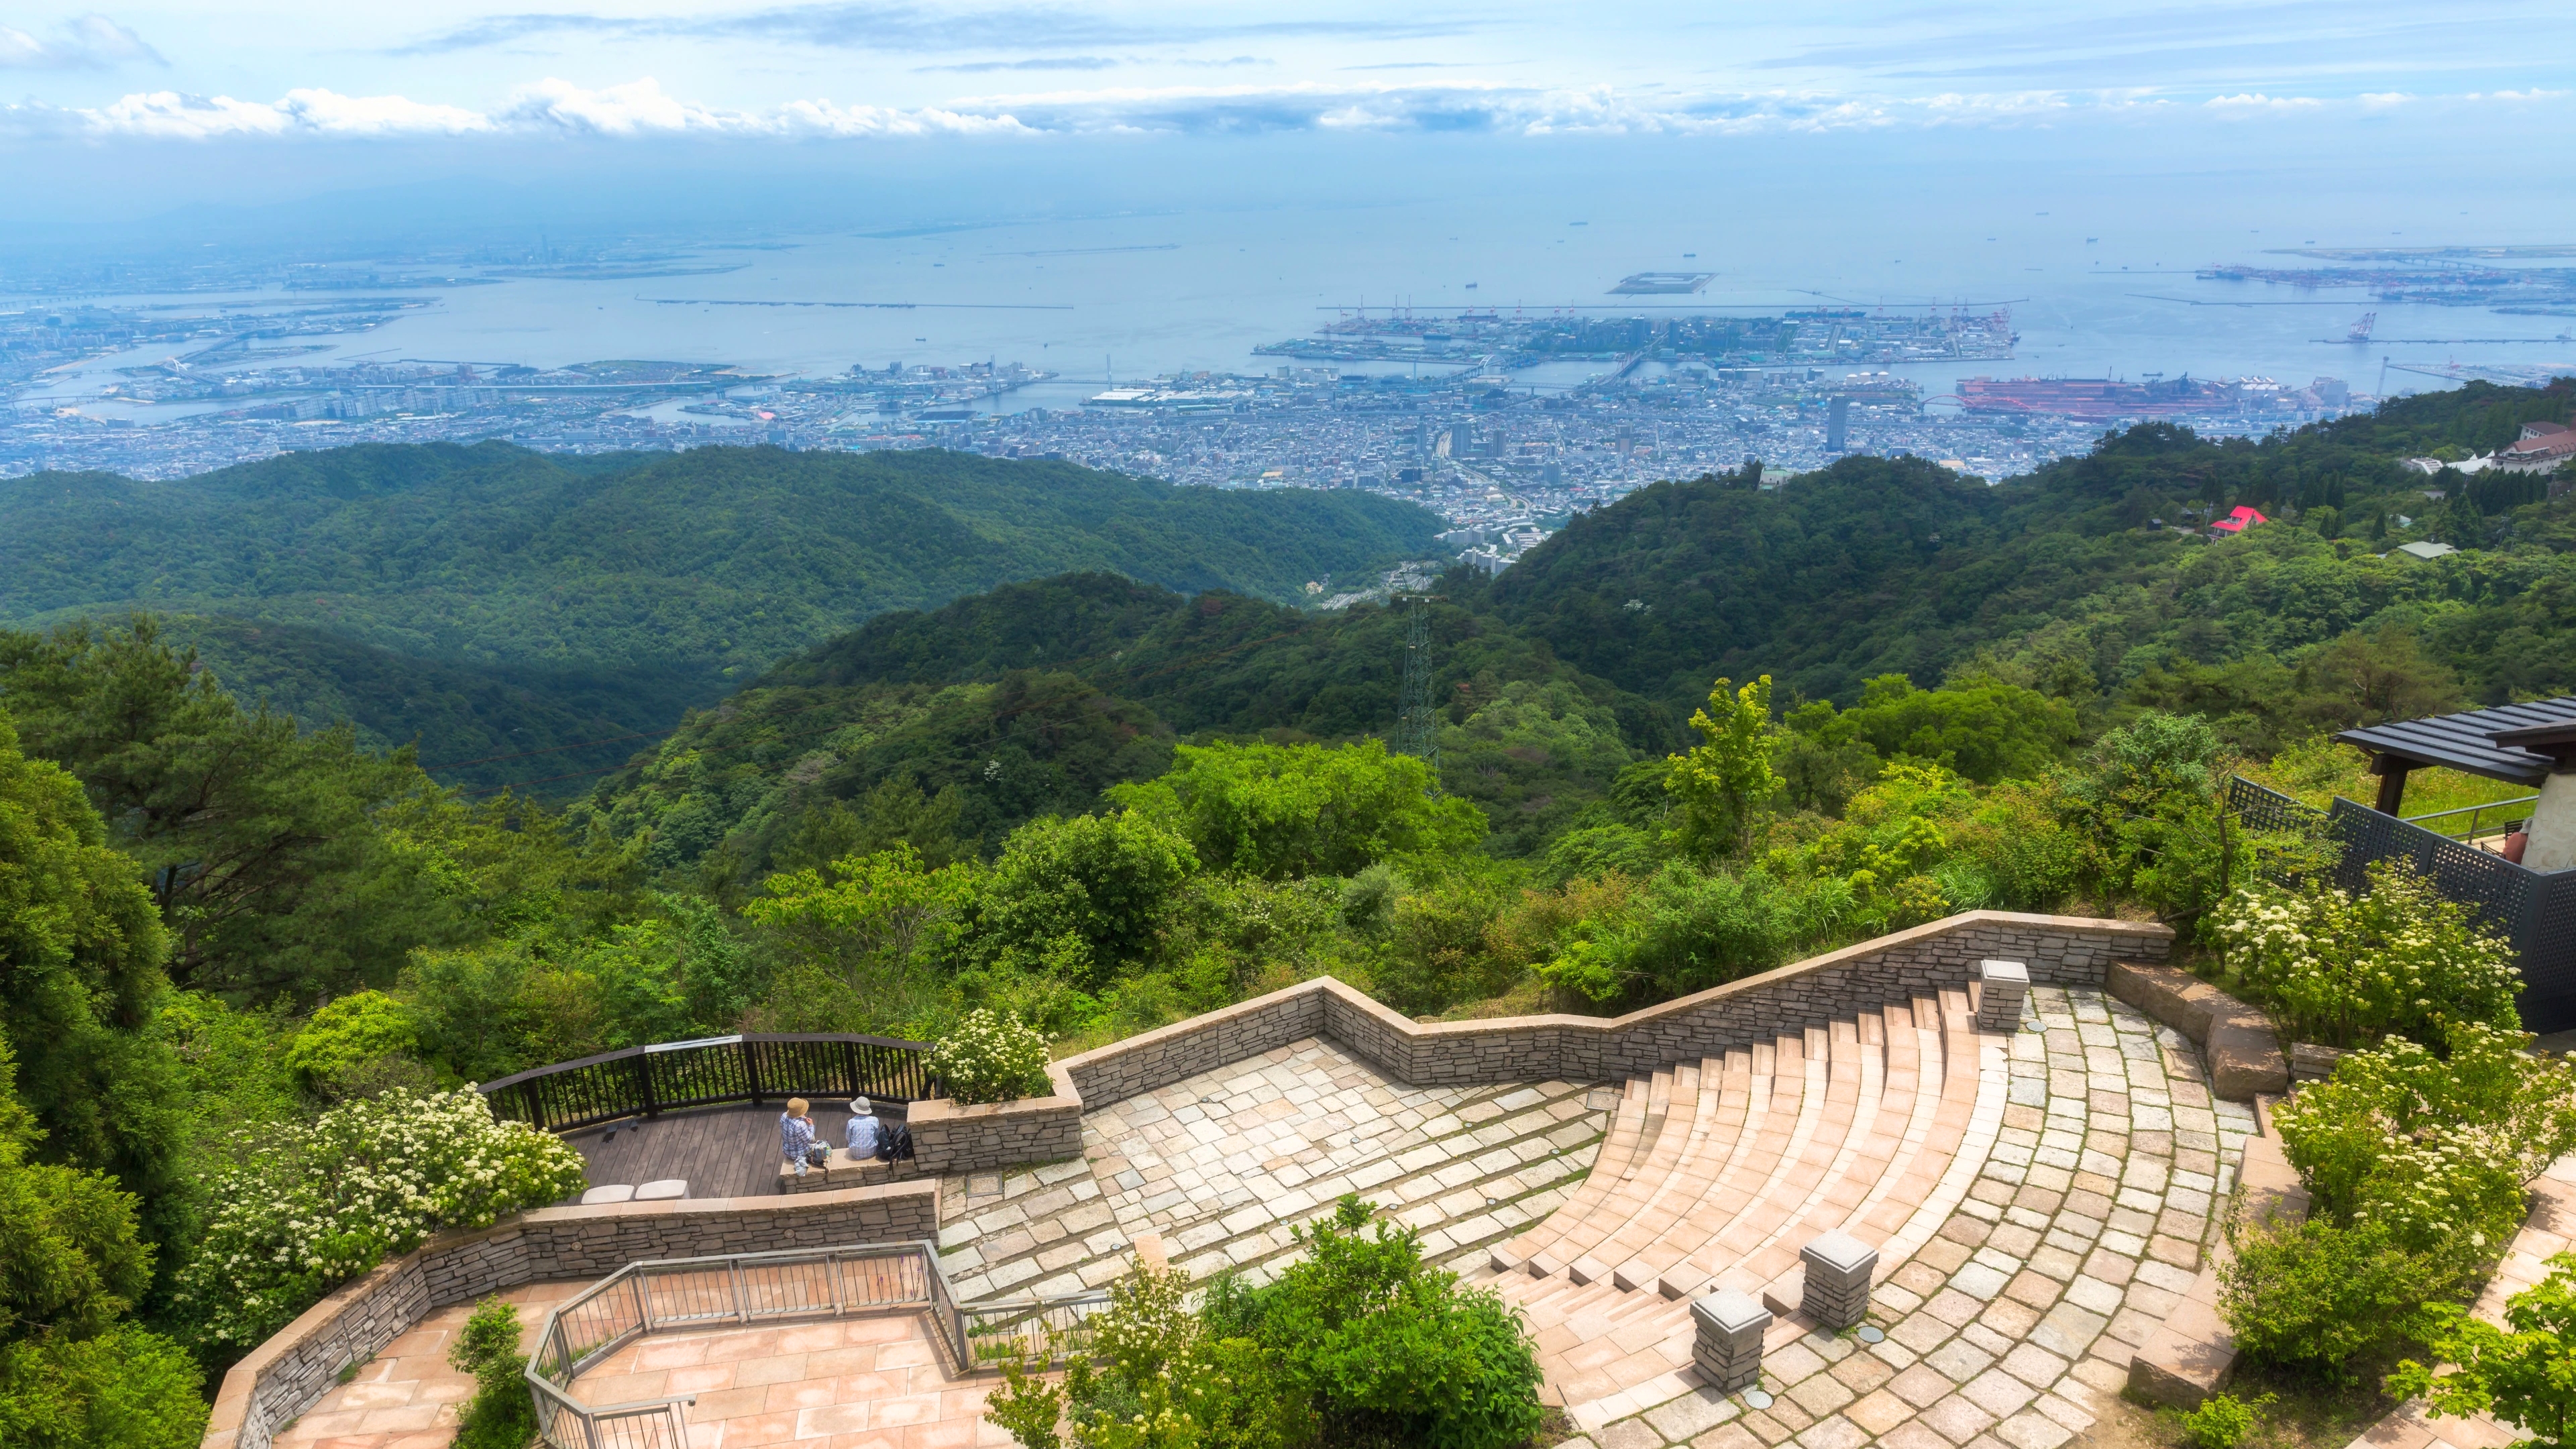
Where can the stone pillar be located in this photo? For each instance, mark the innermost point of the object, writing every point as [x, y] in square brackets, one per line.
[2005, 984]
[1838, 1272]
[1727, 1341]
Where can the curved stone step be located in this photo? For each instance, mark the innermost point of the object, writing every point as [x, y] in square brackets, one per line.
[1683, 1130]
[1618, 1148]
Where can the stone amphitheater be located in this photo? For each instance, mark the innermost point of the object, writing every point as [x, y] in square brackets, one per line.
[1954, 1187]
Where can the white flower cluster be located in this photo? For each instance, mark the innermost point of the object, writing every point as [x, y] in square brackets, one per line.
[314, 1205]
[990, 1057]
[2347, 970]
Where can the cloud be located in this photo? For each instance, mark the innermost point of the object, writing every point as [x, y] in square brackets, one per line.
[2252, 102]
[1598, 110]
[169, 115]
[641, 108]
[889, 25]
[982, 67]
[91, 42]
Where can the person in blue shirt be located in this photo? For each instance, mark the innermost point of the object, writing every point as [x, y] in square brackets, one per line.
[863, 1130]
[795, 1133]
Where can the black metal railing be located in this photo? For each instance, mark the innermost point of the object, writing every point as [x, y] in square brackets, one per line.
[2535, 911]
[752, 1067]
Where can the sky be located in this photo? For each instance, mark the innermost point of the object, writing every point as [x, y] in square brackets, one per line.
[132, 110]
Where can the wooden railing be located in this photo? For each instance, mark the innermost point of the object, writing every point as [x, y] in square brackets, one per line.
[752, 1067]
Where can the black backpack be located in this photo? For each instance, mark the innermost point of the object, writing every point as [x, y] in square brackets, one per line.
[894, 1145]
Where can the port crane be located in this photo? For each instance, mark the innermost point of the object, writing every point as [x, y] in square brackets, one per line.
[2360, 331]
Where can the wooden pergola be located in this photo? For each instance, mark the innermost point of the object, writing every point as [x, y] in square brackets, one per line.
[2520, 743]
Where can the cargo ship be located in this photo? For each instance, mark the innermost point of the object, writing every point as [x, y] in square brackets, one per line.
[2099, 398]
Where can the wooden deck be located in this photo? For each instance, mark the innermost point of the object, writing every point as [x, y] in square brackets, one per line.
[727, 1151]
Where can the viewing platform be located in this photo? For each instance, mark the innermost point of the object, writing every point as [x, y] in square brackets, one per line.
[2037, 1182]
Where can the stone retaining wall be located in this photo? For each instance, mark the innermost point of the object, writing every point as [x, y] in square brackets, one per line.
[2245, 1058]
[949, 1137]
[282, 1377]
[2059, 950]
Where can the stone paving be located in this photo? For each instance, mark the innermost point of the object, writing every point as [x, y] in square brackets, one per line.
[1221, 1165]
[859, 1383]
[2011, 1327]
[407, 1397]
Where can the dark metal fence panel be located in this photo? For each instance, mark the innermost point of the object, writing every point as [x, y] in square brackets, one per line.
[750, 1068]
[2534, 911]
[2261, 808]
[2497, 888]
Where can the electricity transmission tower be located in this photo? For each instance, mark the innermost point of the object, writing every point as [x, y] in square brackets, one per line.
[1417, 731]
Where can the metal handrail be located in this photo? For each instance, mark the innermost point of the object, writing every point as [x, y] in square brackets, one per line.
[2471, 811]
[670, 1294]
[641, 1081]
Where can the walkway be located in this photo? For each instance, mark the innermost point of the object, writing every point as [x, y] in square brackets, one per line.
[407, 1397]
[1222, 1164]
[862, 1383]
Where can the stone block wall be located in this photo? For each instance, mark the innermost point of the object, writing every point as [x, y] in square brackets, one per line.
[950, 1137]
[2059, 950]
[1184, 1049]
[282, 1377]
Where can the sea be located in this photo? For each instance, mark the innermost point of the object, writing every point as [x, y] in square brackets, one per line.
[2094, 290]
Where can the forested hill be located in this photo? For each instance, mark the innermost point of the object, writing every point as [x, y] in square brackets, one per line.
[1880, 565]
[600, 580]
[2063, 602]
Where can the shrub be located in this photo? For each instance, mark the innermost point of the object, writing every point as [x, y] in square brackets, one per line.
[1281, 811]
[314, 1205]
[1678, 932]
[2222, 1421]
[1153, 1376]
[2433, 1150]
[125, 1388]
[990, 1056]
[2398, 960]
[501, 1414]
[2313, 1296]
[2523, 1373]
[1081, 899]
[1384, 1348]
[346, 1037]
[1437, 954]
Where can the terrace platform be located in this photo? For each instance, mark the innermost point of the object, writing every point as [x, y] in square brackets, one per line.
[1220, 1166]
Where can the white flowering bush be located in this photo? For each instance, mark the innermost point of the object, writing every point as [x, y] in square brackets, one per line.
[991, 1057]
[2345, 970]
[2434, 1150]
[313, 1205]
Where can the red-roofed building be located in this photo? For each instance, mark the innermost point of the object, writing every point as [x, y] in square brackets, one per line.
[2237, 520]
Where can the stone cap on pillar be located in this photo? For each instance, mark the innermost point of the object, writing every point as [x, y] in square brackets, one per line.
[2003, 973]
[1841, 1254]
[1731, 1312]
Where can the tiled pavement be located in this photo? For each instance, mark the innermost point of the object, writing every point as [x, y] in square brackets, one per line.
[1222, 1164]
[2010, 1327]
[406, 1397]
[860, 1383]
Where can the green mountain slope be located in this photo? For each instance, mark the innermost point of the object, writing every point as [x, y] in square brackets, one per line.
[2077, 582]
[581, 579]
[1894, 565]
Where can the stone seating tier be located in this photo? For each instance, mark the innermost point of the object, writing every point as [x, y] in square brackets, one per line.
[1717, 1173]
[842, 1171]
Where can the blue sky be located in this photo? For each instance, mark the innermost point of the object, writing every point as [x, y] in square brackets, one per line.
[286, 69]
[134, 110]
